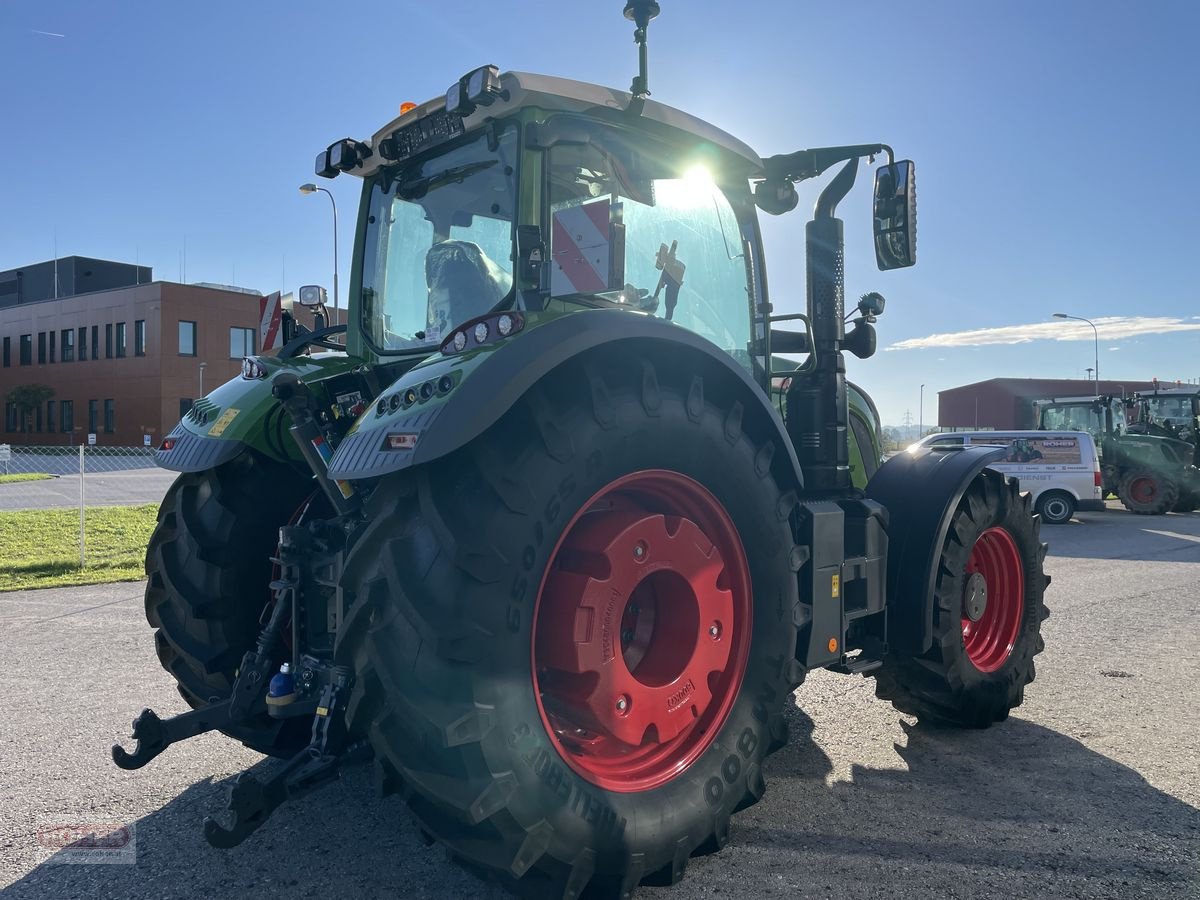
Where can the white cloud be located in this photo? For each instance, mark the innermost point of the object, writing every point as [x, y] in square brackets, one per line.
[1111, 328]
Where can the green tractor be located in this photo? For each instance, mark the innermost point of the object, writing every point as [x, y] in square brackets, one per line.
[554, 537]
[1149, 469]
[1172, 413]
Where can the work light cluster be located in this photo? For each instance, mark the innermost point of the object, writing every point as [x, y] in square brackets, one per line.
[418, 393]
[482, 331]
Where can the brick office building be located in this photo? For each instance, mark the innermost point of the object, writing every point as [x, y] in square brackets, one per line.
[124, 362]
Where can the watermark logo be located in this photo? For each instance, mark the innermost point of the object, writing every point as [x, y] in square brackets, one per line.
[89, 843]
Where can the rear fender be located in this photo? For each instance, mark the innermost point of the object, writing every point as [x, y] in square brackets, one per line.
[489, 382]
[920, 490]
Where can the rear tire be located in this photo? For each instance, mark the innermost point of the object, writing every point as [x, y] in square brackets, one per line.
[1146, 493]
[987, 615]
[453, 631]
[208, 567]
[1056, 507]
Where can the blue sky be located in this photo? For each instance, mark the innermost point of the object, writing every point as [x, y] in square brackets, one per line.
[1054, 145]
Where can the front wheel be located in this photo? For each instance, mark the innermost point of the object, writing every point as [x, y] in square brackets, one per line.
[208, 567]
[1146, 493]
[987, 614]
[574, 637]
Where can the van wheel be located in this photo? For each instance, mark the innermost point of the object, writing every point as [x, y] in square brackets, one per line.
[1056, 507]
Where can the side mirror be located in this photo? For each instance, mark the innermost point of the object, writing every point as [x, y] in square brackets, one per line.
[895, 215]
[312, 295]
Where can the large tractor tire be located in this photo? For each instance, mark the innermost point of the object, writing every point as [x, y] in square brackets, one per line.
[208, 567]
[987, 614]
[574, 637]
[1146, 493]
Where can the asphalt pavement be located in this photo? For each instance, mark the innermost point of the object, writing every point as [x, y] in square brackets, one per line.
[122, 488]
[1090, 790]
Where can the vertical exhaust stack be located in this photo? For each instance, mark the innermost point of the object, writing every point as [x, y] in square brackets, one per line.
[824, 448]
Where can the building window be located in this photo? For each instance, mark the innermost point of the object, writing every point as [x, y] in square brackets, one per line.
[120, 339]
[7, 352]
[139, 337]
[68, 345]
[41, 348]
[83, 343]
[241, 342]
[187, 338]
[27, 349]
[51, 423]
[108, 341]
[95, 342]
[51, 346]
[10, 417]
[67, 419]
[109, 417]
[185, 406]
[93, 414]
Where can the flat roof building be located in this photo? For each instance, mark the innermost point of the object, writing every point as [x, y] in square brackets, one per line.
[123, 363]
[1007, 403]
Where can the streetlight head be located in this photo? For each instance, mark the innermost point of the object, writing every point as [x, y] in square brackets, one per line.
[1056, 315]
[308, 188]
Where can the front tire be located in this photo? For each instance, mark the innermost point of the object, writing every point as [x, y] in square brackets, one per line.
[491, 588]
[987, 615]
[1147, 494]
[208, 567]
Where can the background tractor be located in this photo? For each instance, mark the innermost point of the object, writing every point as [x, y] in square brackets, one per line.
[1148, 468]
[555, 536]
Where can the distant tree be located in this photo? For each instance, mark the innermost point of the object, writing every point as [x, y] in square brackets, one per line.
[27, 398]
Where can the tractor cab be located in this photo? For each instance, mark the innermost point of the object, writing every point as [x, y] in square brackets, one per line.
[1170, 412]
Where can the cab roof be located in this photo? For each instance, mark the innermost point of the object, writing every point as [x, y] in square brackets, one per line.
[565, 95]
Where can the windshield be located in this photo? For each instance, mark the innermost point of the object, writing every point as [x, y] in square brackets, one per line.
[438, 247]
[1177, 409]
[1083, 417]
[650, 232]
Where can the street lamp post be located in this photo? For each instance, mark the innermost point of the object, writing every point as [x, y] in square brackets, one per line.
[921, 415]
[312, 189]
[1096, 333]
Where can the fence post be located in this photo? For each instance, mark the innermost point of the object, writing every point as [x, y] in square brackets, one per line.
[81, 533]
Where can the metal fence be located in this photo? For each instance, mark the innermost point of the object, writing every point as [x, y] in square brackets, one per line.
[88, 479]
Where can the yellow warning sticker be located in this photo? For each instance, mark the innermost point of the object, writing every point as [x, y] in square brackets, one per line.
[836, 586]
[222, 423]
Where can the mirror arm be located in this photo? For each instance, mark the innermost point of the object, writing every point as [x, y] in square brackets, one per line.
[805, 164]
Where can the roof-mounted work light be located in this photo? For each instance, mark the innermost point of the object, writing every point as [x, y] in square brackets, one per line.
[341, 156]
[479, 87]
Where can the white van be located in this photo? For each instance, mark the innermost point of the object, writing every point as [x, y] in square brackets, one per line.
[1061, 469]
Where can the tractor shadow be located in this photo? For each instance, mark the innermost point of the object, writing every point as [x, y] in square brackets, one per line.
[1017, 810]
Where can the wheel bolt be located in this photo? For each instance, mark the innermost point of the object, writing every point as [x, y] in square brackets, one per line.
[639, 550]
[714, 630]
[622, 703]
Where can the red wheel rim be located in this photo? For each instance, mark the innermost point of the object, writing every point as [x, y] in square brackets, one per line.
[1143, 490]
[641, 630]
[989, 639]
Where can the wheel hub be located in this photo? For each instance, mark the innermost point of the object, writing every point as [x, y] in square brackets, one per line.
[975, 596]
[993, 599]
[639, 593]
[642, 630]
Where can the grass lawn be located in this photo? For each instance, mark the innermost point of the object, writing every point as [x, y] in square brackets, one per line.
[23, 476]
[40, 548]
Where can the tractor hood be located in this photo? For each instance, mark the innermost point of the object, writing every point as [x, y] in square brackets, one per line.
[242, 413]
